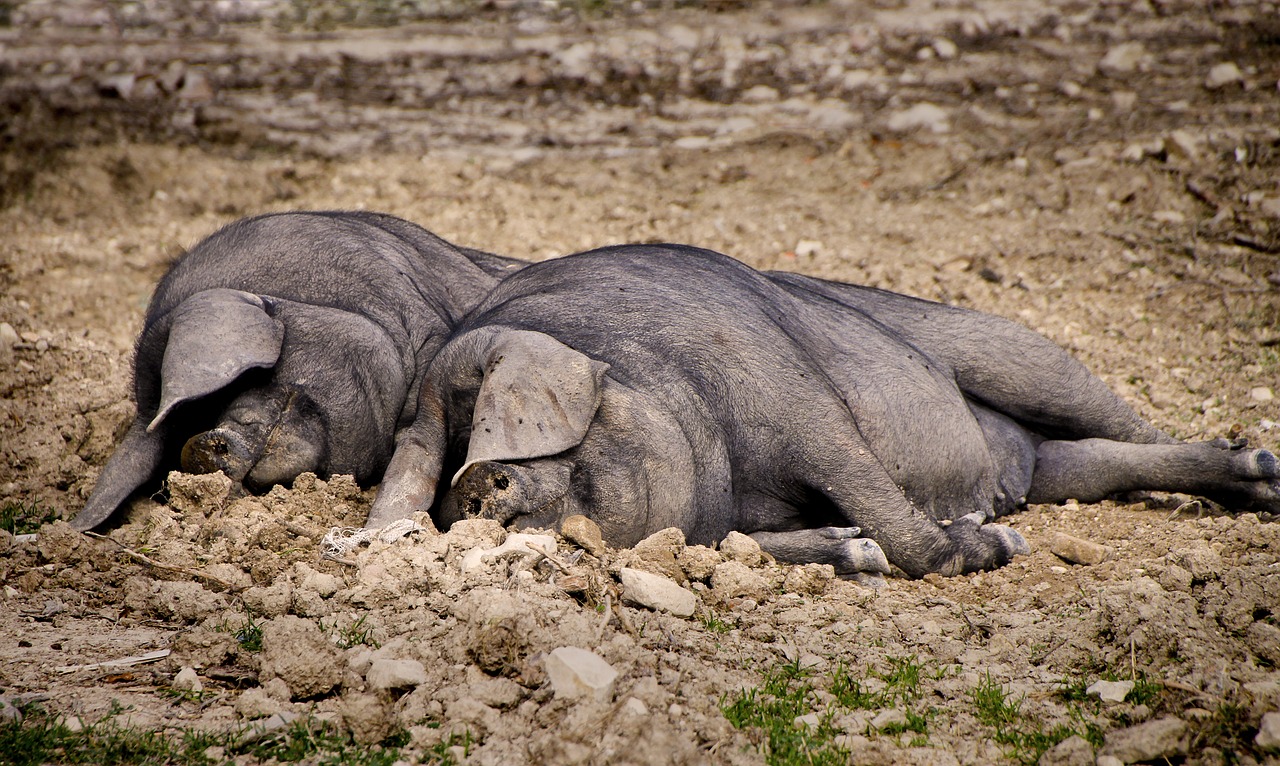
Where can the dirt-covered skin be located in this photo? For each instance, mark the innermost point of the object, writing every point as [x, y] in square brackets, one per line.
[1100, 193]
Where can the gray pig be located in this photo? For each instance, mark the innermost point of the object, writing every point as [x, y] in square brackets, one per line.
[288, 343]
[665, 386]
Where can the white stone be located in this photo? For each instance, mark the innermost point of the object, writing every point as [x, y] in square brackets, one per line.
[395, 674]
[922, 116]
[1226, 73]
[635, 706]
[1110, 691]
[808, 247]
[1123, 58]
[945, 48]
[656, 592]
[518, 543]
[739, 547]
[890, 717]
[8, 336]
[1268, 732]
[1261, 394]
[187, 681]
[578, 673]
[811, 720]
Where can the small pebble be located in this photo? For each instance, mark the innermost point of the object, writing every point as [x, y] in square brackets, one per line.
[1226, 73]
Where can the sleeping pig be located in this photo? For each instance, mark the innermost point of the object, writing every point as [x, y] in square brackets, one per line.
[287, 343]
[665, 386]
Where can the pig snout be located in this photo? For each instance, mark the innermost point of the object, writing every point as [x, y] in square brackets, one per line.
[487, 491]
[216, 450]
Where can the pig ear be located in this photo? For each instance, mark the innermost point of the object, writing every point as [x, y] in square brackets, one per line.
[130, 466]
[215, 336]
[537, 399]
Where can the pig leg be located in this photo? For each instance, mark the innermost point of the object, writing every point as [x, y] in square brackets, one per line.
[855, 482]
[841, 547]
[1091, 469]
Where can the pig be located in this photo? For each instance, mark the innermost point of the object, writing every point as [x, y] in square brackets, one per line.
[655, 386]
[287, 343]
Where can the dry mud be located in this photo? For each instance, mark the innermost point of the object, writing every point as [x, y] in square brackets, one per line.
[1091, 171]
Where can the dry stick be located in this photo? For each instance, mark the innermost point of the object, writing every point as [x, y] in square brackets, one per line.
[193, 573]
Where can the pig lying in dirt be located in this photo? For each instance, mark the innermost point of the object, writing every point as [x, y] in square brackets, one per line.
[665, 386]
[288, 343]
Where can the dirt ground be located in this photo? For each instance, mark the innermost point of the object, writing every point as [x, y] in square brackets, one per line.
[1107, 174]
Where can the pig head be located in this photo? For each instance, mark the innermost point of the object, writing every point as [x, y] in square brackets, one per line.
[289, 343]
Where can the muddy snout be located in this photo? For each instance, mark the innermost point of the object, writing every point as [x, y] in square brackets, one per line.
[216, 450]
[487, 491]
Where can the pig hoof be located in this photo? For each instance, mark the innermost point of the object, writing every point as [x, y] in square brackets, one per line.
[1259, 464]
[840, 533]
[1008, 538]
[863, 555]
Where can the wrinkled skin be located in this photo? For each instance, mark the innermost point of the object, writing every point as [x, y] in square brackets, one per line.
[289, 343]
[658, 386]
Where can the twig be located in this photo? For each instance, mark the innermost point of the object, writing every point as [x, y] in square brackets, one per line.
[141, 558]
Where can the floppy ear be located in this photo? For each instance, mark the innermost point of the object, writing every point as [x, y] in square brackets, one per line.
[537, 399]
[133, 462]
[215, 336]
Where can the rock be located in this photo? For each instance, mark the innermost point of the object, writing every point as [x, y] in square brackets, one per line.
[185, 601]
[575, 673]
[739, 547]
[945, 48]
[760, 94]
[808, 247]
[1268, 737]
[584, 533]
[367, 716]
[204, 648]
[1226, 73]
[1123, 58]
[8, 336]
[1203, 562]
[809, 579]
[1079, 551]
[1261, 394]
[656, 592]
[634, 706]
[889, 717]
[733, 579]
[1109, 760]
[257, 703]
[395, 674]
[187, 680]
[1183, 145]
[8, 339]
[297, 652]
[920, 117]
[1161, 738]
[657, 554]
[1072, 751]
[198, 493]
[698, 561]
[1110, 691]
[516, 544]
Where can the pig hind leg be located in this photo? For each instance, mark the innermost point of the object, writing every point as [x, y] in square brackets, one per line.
[1091, 469]
[862, 491]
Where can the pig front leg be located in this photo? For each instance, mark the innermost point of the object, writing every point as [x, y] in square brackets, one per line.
[1092, 469]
